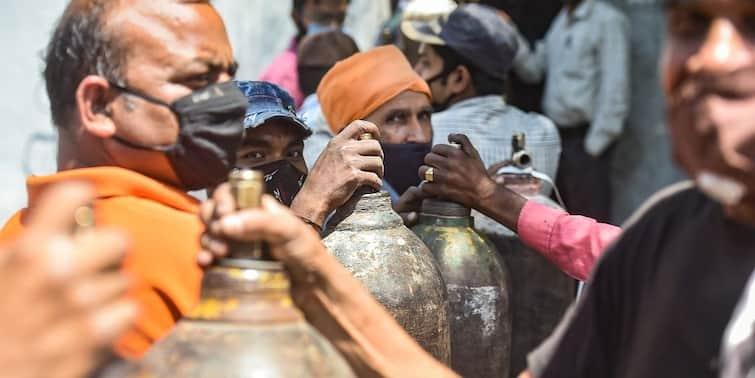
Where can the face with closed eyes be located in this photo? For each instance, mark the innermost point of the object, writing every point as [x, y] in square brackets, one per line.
[277, 139]
[404, 119]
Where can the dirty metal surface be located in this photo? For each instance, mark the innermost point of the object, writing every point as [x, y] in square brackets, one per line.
[478, 292]
[245, 325]
[370, 240]
[540, 294]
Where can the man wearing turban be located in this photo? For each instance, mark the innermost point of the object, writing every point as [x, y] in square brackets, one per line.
[379, 86]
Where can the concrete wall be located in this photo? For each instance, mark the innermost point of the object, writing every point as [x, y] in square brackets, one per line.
[24, 30]
[642, 160]
[258, 29]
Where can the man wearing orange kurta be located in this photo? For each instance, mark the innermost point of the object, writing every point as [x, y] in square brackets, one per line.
[162, 226]
[141, 97]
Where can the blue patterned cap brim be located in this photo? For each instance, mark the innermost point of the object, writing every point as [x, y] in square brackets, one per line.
[254, 120]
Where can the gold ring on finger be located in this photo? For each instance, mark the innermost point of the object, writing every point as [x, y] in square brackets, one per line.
[429, 174]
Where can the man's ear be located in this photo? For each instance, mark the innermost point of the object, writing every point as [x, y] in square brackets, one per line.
[93, 101]
[460, 80]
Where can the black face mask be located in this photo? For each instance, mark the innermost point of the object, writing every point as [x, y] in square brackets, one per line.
[210, 130]
[402, 162]
[282, 180]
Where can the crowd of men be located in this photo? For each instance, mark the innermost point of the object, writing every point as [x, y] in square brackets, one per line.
[147, 108]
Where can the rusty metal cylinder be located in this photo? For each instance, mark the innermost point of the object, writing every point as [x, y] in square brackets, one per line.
[540, 292]
[371, 241]
[478, 289]
[246, 324]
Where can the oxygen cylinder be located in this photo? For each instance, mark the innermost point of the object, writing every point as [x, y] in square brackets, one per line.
[371, 241]
[369, 238]
[477, 285]
[540, 292]
[246, 324]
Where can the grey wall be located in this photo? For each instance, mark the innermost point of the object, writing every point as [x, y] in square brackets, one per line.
[642, 162]
[24, 28]
[258, 29]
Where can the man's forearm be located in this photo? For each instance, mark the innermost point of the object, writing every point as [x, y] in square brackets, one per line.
[572, 243]
[375, 345]
[503, 205]
[310, 206]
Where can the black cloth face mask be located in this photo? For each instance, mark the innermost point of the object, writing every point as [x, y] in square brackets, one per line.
[402, 162]
[210, 130]
[282, 180]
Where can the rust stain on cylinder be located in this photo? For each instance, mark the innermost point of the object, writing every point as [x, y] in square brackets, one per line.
[370, 240]
[478, 290]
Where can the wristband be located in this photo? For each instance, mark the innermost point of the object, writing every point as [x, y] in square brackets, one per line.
[314, 225]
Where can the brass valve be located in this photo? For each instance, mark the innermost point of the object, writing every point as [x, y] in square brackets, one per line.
[366, 136]
[247, 187]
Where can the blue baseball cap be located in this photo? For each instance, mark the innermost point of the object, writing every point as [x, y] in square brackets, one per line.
[267, 101]
[476, 32]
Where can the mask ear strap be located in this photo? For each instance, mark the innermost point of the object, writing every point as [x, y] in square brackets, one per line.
[141, 95]
[148, 98]
[140, 146]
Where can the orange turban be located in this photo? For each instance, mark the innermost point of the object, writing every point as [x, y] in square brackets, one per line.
[357, 86]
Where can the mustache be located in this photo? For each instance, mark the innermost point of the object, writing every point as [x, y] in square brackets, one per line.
[738, 84]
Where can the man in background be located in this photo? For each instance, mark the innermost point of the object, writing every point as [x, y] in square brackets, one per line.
[317, 55]
[585, 57]
[310, 17]
[273, 142]
[380, 87]
[466, 61]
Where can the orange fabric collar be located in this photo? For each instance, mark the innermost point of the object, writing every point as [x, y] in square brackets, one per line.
[116, 182]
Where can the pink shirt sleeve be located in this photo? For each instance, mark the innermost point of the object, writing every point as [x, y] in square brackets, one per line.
[283, 73]
[573, 243]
